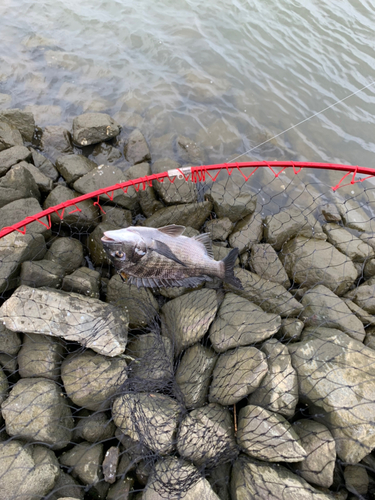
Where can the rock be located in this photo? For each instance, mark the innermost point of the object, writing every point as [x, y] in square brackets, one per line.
[271, 297]
[186, 319]
[189, 214]
[18, 210]
[146, 197]
[239, 323]
[56, 141]
[21, 120]
[265, 262]
[43, 182]
[330, 213]
[40, 356]
[327, 362]
[92, 128]
[67, 315]
[193, 374]
[291, 329]
[4, 386]
[11, 156]
[136, 149]
[206, 436]
[117, 216]
[5, 100]
[121, 489]
[247, 232]
[18, 183]
[355, 216]
[268, 436]
[93, 427]
[288, 223]
[189, 151]
[156, 422]
[10, 342]
[9, 363]
[138, 303]
[105, 153]
[16, 248]
[356, 479]
[231, 200]
[91, 380]
[67, 253]
[219, 229]
[369, 269]
[221, 252]
[311, 262]
[84, 280]
[319, 464]
[356, 249]
[45, 114]
[9, 135]
[176, 192]
[219, 479]
[66, 488]
[30, 471]
[363, 296]
[72, 167]
[37, 411]
[237, 373]
[323, 308]
[97, 253]
[85, 459]
[44, 165]
[41, 273]
[110, 463]
[362, 315]
[278, 391]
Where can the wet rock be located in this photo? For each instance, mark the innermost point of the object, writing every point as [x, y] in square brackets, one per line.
[117, 216]
[72, 167]
[219, 229]
[239, 323]
[323, 308]
[355, 216]
[85, 459]
[18, 183]
[11, 156]
[5, 100]
[310, 262]
[45, 114]
[92, 128]
[105, 153]
[356, 249]
[41, 273]
[265, 262]
[221, 252]
[356, 479]
[364, 296]
[136, 149]
[237, 374]
[43, 182]
[9, 135]
[156, 421]
[189, 214]
[248, 231]
[110, 463]
[186, 319]
[189, 151]
[362, 315]
[193, 374]
[40, 356]
[31, 471]
[163, 147]
[67, 315]
[4, 386]
[21, 120]
[56, 141]
[271, 297]
[9, 363]
[330, 213]
[97, 253]
[268, 436]
[230, 200]
[16, 248]
[10, 342]
[327, 362]
[278, 391]
[146, 197]
[180, 191]
[84, 280]
[318, 466]
[44, 165]
[18, 210]
[37, 411]
[92, 380]
[93, 427]
[121, 489]
[206, 436]
[67, 253]
[66, 487]
[138, 303]
[291, 329]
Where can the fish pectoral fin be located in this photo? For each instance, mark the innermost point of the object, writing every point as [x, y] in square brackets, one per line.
[173, 230]
[163, 249]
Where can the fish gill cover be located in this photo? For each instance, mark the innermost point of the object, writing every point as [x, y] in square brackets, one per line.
[110, 391]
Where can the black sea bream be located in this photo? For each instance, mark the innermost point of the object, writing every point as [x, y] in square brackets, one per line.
[162, 257]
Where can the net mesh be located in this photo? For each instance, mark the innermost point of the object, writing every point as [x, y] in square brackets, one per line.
[112, 392]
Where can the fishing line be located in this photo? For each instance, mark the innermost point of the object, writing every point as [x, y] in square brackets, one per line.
[305, 120]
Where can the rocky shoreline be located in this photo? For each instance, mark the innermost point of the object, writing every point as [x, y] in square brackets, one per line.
[112, 392]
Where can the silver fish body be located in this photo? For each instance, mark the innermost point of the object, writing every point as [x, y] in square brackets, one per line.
[163, 257]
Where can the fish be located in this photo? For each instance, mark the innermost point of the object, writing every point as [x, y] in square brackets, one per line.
[164, 258]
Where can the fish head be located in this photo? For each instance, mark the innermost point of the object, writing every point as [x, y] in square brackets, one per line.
[123, 247]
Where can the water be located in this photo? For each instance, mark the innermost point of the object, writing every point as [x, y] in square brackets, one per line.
[228, 75]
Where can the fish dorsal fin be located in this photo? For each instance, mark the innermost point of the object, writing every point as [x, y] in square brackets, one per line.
[206, 240]
[172, 230]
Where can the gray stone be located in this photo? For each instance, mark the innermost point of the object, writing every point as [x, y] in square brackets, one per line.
[67, 253]
[239, 323]
[72, 167]
[146, 193]
[291, 329]
[9, 363]
[97, 253]
[278, 391]
[310, 262]
[247, 232]
[265, 262]
[237, 374]
[369, 268]
[5, 100]
[18, 210]
[219, 479]
[186, 319]
[327, 362]
[342, 239]
[136, 149]
[219, 229]
[4, 386]
[121, 489]
[84, 280]
[364, 297]
[206, 436]
[55, 141]
[93, 427]
[44, 165]
[330, 213]
[92, 128]
[193, 374]
[271, 297]
[176, 192]
[45, 114]
[221, 252]
[85, 460]
[231, 200]
[22, 120]
[41, 273]
[156, 419]
[10, 342]
[189, 214]
[18, 183]
[37, 411]
[91, 380]
[189, 151]
[319, 464]
[9, 135]
[40, 356]
[355, 216]
[66, 488]
[110, 463]
[105, 153]
[117, 216]
[356, 479]
[138, 303]
[43, 182]
[11, 156]
[67, 315]
[362, 315]
[28, 472]
[268, 436]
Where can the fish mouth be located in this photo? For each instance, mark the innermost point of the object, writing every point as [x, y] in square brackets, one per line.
[107, 239]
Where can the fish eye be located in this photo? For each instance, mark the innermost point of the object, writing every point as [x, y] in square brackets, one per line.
[119, 254]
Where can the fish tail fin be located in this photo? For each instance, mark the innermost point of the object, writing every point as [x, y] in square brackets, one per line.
[229, 262]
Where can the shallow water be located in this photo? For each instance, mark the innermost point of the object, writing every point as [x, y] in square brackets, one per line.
[229, 75]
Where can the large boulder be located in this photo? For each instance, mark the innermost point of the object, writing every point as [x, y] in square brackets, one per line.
[18, 210]
[92, 128]
[247, 232]
[9, 135]
[83, 280]
[72, 167]
[22, 120]
[44, 183]
[40, 356]
[11, 156]
[265, 262]
[38, 273]
[231, 200]
[55, 141]
[18, 183]
[189, 214]
[66, 253]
